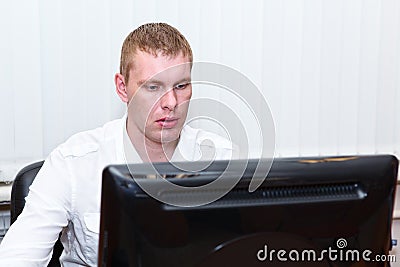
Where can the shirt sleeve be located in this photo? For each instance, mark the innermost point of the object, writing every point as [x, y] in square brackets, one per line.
[30, 239]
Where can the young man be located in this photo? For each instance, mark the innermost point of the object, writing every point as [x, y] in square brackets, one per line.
[155, 83]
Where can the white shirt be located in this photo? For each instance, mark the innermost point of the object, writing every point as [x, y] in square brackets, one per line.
[65, 195]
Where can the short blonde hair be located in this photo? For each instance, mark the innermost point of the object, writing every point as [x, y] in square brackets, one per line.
[153, 38]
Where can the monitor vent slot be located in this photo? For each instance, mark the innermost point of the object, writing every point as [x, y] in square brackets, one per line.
[271, 195]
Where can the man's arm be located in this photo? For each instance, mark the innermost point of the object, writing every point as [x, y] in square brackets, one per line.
[30, 239]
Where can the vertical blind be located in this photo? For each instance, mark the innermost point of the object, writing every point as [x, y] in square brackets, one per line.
[330, 70]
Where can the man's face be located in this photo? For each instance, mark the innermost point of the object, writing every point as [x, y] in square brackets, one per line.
[159, 90]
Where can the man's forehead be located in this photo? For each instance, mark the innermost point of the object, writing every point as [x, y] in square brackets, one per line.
[162, 68]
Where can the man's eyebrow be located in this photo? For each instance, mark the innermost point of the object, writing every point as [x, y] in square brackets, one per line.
[152, 81]
[184, 80]
[141, 82]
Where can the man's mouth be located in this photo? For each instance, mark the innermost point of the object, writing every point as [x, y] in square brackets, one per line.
[167, 122]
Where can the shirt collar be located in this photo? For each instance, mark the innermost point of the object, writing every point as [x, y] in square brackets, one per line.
[126, 152]
[186, 148]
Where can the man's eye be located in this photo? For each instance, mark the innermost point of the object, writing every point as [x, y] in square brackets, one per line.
[152, 87]
[181, 86]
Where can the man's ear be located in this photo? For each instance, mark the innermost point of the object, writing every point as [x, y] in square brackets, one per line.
[120, 86]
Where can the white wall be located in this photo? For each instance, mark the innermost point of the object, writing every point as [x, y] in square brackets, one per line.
[329, 69]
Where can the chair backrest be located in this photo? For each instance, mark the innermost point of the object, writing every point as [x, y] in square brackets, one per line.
[19, 191]
[20, 188]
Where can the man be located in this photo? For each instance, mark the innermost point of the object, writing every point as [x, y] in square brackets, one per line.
[155, 83]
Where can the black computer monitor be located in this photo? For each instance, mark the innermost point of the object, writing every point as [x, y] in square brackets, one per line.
[324, 211]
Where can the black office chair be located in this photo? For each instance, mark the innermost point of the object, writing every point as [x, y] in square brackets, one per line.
[19, 191]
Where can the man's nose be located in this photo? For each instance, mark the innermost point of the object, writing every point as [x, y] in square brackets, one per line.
[169, 100]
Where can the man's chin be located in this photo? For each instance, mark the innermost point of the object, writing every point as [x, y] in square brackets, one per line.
[170, 135]
[168, 139]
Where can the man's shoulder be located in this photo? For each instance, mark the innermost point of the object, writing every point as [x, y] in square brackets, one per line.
[86, 142]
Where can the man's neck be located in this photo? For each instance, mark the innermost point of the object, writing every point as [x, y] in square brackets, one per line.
[149, 150]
